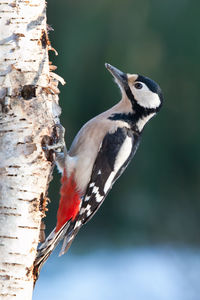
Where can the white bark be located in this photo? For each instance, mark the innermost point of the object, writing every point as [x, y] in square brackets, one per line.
[28, 110]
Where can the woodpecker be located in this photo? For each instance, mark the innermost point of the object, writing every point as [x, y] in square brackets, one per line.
[99, 154]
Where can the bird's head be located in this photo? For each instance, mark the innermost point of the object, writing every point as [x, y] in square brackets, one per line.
[144, 93]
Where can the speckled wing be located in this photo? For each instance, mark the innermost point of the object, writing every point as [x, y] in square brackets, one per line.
[114, 154]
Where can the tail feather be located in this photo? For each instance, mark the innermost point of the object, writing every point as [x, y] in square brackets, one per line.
[68, 241]
[67, 232]
[49, 245]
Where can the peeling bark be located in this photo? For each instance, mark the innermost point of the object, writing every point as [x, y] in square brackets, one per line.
[28, 110]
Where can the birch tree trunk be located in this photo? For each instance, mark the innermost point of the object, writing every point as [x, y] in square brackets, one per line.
[28, 110]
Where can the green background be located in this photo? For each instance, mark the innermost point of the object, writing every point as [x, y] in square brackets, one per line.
[156, 200]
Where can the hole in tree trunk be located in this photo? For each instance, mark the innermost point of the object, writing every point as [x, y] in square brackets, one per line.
[28, 91]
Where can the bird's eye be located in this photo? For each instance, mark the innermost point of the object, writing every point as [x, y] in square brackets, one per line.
[138, 85]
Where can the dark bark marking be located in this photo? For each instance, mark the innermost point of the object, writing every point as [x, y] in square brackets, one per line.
[28, 91]
[44, 39]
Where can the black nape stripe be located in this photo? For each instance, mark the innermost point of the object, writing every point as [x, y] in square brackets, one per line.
[129, 118]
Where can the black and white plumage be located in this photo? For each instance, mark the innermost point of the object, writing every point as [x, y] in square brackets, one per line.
[115, 153]
[100, 153]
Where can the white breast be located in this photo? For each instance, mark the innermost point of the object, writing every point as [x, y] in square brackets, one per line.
[87, 142]
[82, 166]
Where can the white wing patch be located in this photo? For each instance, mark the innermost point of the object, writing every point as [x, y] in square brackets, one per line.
[88, 213]
[84, 209]
[87, 198]
[122, 156]
[97, 195]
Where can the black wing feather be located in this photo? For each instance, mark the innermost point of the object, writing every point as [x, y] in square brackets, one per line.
[102, 169]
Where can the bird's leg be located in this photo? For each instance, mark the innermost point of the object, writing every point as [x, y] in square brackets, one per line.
[59, 147]
[56, 146]
[58, 143]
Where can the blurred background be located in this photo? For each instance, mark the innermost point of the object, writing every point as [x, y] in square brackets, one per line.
[144, 241]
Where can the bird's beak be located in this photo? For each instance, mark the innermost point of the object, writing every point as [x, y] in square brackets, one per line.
[120, 77]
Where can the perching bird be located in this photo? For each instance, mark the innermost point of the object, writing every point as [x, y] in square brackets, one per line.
[99, 154]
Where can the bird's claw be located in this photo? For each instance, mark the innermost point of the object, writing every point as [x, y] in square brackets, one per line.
[58, 144]
[59, 131]
[58, 147]
[55, 143]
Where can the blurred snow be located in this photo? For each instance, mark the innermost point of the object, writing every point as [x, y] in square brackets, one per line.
[152, 273]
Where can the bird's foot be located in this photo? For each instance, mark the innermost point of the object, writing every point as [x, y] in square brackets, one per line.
[55, 144]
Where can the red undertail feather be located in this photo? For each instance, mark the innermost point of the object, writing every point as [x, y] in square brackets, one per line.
[69, 200]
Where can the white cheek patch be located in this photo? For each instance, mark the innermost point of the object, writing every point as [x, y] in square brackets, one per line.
[122, 156]
[146, 98]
